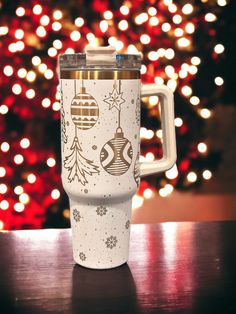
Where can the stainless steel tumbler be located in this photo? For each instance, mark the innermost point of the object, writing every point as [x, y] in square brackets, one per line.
[100, 125]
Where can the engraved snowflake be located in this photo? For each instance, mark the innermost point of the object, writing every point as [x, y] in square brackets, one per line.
[111, 242]
[101, 210]
[82, 256]
[76, 215]
[127, 224]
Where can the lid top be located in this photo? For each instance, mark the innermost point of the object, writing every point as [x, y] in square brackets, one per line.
[97, 57]
[94, 55]
[100, 50]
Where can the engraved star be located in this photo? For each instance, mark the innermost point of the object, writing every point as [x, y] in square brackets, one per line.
[115, 99]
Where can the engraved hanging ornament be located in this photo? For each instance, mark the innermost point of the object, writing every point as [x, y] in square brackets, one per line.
[84, 110]
[116, 155]
[80, 167]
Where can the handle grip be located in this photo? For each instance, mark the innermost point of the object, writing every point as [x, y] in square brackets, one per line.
[168, 130]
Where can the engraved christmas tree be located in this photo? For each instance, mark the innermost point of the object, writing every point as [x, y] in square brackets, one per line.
[78, 166]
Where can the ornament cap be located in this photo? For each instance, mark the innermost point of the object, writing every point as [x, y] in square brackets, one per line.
[119, 133]
[82, 90]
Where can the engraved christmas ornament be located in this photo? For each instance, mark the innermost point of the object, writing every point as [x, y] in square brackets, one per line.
[84, 110]
[116, 155]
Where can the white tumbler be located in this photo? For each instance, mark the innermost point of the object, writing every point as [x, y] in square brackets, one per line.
[100, 126]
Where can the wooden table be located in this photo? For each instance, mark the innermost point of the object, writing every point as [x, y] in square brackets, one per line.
[173, 268]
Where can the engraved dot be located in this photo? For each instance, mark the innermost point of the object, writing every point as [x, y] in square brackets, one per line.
[67, 123]
[132, 101]
[94, 147]
[85, 191]
[135, 136]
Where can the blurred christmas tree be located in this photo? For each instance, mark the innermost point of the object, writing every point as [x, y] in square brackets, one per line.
[181, 47]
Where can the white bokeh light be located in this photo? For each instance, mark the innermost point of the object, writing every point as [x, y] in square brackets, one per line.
[25, 143]
[19, 207]
[18, 159]
[51, 162]
[4, 205]
[207, 175]
[31, 178]
[3, 188]
[55, 194]
[192, 177]
[18, 190]
[8, 70]
[2, 172]
[24, 198]
[5, 147]
[202, 147]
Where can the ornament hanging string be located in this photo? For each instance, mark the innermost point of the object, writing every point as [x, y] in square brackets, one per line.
[63, 122]
[119, 109]
[75, 95]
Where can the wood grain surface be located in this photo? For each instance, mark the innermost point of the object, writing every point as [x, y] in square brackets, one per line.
[173, 268]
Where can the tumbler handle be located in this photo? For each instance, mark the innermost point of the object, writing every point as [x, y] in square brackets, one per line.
[168, 130]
